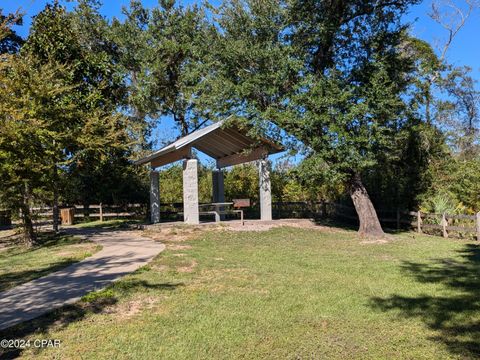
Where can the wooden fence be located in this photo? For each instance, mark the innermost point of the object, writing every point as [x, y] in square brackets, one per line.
[446, 225]
[100, 212]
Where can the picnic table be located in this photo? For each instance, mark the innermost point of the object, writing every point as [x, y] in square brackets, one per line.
[218, 209]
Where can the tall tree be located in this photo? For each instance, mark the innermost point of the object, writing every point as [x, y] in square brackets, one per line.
[459, 113]
[34, 100]
[177, 63]
[80, 41]
[131, 39]
[331, 73]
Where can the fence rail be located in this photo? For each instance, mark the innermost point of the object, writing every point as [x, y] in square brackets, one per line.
[447, 223]
[444, 224]
[99, 211]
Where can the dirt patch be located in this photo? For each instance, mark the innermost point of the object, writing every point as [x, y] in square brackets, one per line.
[387, 258]
[257, 225]
[131, 308]
[383, 240]
[171, 235]
[374, 241]
[176, 247]
[187, 269]
[160, 268]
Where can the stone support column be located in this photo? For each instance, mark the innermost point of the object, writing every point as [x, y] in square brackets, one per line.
[265, 190]
[154, 197]
[190, 191]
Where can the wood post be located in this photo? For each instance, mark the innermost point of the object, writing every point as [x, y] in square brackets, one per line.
[478, 226]
[101, 212]
[444, 226]
[419, 222]
[398, 219]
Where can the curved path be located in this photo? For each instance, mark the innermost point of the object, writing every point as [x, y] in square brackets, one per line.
[123, 252]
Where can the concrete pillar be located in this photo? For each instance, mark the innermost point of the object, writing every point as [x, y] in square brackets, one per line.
[154, 197]
[190, 191]
[218, 192]
[265, 190]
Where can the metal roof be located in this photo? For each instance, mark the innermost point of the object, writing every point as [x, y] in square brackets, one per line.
[227, 144]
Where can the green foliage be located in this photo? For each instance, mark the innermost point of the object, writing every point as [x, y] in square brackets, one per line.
[36, 110]
[334, 76]
[163, 55]
[171, 184]
[98, 168]
[101, 295]
[457, 181]
[59, 121]
[242, 181]
[441, 203]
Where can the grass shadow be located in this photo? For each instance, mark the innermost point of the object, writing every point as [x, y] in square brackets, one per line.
[108, 224]
[454, 314]
[93, 303]
[21, 253]
[12, 279]
[337, 222]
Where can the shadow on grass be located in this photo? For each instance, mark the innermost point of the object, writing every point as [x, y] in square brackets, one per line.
[12, 279]
[19, 252]
[352, 225]
[338, 223]
[93, 303]
[108, 224]
[455, 312]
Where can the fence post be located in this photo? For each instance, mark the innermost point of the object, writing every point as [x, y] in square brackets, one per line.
[478, 226]
[444, 226]
[398, 219]
[101, 212]
[419, 222]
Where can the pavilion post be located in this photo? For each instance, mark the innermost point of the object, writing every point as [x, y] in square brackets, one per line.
[190, 191]
[154, 197]
[265, 190]
[218, 192]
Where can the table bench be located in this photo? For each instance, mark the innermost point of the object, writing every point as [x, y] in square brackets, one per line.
[219, 209]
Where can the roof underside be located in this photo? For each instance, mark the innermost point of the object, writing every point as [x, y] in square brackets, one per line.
[227, 145]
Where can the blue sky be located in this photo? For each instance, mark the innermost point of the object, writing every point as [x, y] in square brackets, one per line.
[464, 51]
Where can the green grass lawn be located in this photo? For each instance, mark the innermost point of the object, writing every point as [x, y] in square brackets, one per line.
[19, 264]
[283, 294]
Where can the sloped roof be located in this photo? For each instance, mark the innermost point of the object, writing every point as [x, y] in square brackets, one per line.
[227, 144]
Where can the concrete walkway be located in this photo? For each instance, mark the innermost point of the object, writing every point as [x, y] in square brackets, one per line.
[123, 252]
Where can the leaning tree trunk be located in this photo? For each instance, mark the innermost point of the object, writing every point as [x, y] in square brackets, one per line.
[369, 223]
